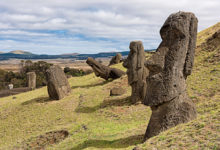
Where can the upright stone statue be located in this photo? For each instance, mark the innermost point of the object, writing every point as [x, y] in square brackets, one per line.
[57, 84]
[115, 59]
[103, 71]
[31, 80]
[136, 71]
[169, 67]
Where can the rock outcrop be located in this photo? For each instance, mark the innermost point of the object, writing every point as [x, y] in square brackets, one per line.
[103, 71]
[31, 80]
[136, 71]
[58, 86]
[168, 70]
[115, 59]
[117, 91]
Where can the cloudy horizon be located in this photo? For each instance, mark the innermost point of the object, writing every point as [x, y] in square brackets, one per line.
[92, 26]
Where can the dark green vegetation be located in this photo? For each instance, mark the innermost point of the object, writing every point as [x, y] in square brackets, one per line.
[76, 72]
[18, 79]
[96, 120]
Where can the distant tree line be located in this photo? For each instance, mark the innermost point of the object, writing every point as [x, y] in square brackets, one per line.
[76, 72]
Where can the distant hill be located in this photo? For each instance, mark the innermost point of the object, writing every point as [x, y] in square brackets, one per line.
[18, 54]
[71, 54]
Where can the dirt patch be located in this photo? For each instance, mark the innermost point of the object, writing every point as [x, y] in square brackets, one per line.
[50, 138]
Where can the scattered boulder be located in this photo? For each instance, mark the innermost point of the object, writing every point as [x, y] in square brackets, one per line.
[169, 68]
[136, 71]
[115, 59]
[117, 91]
[58, 86]
[103, 71]
[31, 80]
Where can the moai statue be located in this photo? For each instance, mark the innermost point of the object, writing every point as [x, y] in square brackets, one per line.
[57, 84]
[103, 71]
[31, 80]
[115, 59]
[168, 69]
[136, 71]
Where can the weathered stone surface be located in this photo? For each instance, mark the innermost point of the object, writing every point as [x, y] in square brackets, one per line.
[169, 68]
[31, 80]
[136, 71]
[102, 71]
[58, 86]
[116, 59]
[117, 91]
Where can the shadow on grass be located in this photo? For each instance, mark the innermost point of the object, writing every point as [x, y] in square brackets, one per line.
[92, 85]
[119, 143]
[37, 100]
[107, 103]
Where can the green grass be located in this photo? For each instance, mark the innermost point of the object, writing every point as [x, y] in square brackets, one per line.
[96, 120]
[111, 122]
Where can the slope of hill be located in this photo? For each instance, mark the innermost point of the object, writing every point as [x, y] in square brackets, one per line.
[94, 120]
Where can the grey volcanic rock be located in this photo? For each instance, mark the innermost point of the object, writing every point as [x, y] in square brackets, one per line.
[103, 71]
[58, 86]
[117, 91]
[136, 71]
[169, 68]
[31, 80]
[116, 59]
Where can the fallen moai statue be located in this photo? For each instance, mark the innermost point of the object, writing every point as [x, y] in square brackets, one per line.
[57, 84]
[115, 59]
[103, 71]
[169, 67]
[136, 71]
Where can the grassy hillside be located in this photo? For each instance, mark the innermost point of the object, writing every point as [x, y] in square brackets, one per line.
[95, 120]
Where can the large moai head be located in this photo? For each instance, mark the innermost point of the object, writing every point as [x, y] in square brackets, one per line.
[31, 80]
[58, 86]
[136, 70]
[173, 60]
[169, 68]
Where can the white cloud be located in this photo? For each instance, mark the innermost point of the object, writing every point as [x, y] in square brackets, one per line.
[117, 21]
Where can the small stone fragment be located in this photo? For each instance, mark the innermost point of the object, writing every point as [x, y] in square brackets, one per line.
[117, 91]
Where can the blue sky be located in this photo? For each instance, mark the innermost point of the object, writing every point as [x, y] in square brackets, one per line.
[91, 26]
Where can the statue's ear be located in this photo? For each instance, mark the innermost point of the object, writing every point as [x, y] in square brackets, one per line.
[191, 47]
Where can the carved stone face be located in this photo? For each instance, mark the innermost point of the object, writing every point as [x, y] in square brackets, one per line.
[173, 60]
[135, 62]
